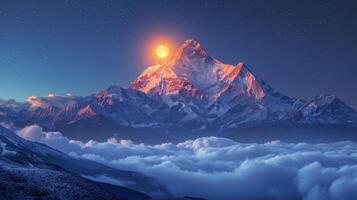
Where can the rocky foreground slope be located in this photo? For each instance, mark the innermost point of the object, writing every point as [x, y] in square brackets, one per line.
[30, 170]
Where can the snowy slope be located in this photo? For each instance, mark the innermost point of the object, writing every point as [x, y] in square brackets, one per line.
[40, 170]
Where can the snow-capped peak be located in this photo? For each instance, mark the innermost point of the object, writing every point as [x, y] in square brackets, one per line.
[193, 66]
[86, 112]
[191, 48]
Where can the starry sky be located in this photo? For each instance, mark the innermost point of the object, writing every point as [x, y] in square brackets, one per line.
[301, 48]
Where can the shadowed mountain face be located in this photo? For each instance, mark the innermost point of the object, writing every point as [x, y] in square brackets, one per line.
[191, 95]
[30, 169]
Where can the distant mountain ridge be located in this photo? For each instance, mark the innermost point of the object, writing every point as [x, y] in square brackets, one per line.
[191, 93]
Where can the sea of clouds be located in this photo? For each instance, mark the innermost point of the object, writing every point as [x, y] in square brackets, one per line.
[220, 168]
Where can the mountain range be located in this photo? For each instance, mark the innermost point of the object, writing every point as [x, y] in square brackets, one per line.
[190, 95]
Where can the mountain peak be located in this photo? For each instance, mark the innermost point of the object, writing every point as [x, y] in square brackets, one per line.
[193, 66]
[190, 43]
[191, 49]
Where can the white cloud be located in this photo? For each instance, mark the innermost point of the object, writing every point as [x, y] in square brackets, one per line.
[219, 168]
[52, 100]
[11, 104]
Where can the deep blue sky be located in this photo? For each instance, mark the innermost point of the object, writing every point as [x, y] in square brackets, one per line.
[301, 48]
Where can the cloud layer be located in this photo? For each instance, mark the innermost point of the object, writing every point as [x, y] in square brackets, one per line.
[219, 168]
[53, 100]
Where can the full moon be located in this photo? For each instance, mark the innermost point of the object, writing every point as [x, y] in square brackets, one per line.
[162, 51]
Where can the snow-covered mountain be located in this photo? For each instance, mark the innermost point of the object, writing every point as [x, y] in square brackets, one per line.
[32, 170]
[193, 72]
[192, 93]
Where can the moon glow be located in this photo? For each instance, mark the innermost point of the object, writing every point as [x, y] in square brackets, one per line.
[162, 51]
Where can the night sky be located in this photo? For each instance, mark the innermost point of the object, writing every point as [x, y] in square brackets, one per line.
[301, 48]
